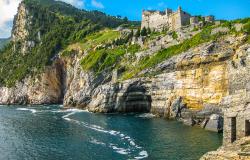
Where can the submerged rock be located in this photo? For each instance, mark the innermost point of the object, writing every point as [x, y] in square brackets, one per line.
[189, 122]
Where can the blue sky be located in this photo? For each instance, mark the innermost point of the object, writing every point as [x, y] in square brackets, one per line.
[222, 9]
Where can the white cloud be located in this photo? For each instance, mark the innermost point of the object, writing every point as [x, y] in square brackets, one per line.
[97, 4]
[76, 3]
[8, 9]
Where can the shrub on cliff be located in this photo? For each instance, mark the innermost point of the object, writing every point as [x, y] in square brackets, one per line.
[144, 32]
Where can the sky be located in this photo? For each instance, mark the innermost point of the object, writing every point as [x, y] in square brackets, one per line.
[222, 9]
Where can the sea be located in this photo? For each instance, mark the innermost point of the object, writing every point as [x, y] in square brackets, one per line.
[50, 132]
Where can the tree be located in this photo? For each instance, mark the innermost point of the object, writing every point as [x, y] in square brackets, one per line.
[125, 19]
[144, 32]
[131, 34]
[138, 33]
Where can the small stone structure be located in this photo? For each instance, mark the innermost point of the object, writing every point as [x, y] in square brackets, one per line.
[209, 19]
[237, 124]
[159, 20]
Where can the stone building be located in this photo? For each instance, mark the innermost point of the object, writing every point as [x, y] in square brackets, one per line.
[158, 20]
[209, 19]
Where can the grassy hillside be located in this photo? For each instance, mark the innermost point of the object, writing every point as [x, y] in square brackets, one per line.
[122, 56]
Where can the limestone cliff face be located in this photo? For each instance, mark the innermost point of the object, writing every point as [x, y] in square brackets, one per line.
[200, 76]
[45, 88]
[21, 29]
[236, 141]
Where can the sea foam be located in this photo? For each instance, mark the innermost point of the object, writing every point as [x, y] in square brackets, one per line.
[142, 154]
[27, 109]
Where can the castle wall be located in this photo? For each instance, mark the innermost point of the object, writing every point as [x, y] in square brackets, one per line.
[209, 19]
[154, 21]
[185, 18]
[175, 21]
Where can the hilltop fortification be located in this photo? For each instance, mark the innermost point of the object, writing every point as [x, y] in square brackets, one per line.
[168, 19]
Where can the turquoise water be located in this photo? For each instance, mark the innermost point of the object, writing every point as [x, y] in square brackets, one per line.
[49, 133]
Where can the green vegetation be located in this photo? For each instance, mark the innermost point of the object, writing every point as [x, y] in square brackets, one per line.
[100, 38]
[3, 42]
[204, 36]
[138, 33]
[246, 29]
[106, 59]
[59, 24]
[144, 32]
[174, 35]
[102, 59]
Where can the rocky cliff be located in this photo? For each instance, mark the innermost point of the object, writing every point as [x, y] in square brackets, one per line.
[188, 74]
[200, 76]
[45, 88]
[197, 79]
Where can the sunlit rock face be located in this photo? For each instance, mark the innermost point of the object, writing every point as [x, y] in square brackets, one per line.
[45, 88]
[20, 31]
[199, 76]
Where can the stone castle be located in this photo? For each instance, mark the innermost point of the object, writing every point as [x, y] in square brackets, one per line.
[168, 19]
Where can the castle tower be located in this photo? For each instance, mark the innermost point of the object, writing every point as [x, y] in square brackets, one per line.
[179, 9]
[209, 19]
[168, 11]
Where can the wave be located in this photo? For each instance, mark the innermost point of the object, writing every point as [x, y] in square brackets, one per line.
[70, 110]
[95, 141]
[119, 150]
[27, 109]
[146, 115]
[118, 134]
[143, 154]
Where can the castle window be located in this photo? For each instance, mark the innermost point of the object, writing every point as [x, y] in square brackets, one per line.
[247, 128]
[233, 129]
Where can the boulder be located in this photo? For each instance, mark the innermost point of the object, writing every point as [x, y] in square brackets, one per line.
[189, 122]
[220, 30]
[215, 123]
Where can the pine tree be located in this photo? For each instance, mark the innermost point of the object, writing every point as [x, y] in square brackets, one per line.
[138, 33]
[144, 32]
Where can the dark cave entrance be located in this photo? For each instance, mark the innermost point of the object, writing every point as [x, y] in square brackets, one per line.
[247, 128]
[136, 99]
[233, 129]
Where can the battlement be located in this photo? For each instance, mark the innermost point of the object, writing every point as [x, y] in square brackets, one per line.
[152, 12]
[158, 20]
